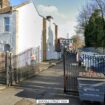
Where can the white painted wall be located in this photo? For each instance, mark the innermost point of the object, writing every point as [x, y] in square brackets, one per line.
[29, 28]
[51, 53]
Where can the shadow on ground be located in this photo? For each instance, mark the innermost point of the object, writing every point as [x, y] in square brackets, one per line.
[48, 85]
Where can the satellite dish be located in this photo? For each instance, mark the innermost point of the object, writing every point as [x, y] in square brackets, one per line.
[6, 47]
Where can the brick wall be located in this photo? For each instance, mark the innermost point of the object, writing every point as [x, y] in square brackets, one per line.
[5, 3]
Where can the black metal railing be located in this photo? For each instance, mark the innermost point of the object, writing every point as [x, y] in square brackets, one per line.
[15, 68]
[94, 63]
[70, 72]
[25, 65]
[2, 69]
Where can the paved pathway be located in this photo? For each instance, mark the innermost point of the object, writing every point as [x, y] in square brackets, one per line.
[47, 85]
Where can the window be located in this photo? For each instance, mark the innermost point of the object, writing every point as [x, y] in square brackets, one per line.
[6, 24]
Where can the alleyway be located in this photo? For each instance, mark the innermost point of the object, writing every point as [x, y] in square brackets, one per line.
[46, 85]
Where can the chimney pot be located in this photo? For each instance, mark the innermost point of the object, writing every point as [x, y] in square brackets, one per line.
[4, 3]
[49, 18]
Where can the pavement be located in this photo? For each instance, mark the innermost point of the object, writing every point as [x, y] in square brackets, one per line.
[2, 87]
[47, 64]
[48, 84]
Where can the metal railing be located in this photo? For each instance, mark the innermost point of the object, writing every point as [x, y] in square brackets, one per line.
[94, 63]
[15, 68]
[70, 72]
[2, 69]
[91, 65]
[25, 65]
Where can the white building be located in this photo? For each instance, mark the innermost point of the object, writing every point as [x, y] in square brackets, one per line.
[21, 28]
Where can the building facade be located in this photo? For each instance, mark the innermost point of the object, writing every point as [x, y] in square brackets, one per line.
[7, 27]
[21, 28]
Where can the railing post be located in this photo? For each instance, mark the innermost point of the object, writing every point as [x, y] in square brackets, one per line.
[64, 52]
[6, 68]
[10, 68]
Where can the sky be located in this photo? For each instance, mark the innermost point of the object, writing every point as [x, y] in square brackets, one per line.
[64, 12]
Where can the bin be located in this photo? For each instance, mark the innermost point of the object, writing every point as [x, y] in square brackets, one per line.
[91, 87]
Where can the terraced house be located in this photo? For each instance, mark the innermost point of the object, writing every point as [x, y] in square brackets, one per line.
[22, 27]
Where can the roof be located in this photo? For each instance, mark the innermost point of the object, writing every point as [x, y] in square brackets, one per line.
[20, 5]
[11, 8]
[23, 4]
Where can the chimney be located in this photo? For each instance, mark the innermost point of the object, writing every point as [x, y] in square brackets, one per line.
[4, 3]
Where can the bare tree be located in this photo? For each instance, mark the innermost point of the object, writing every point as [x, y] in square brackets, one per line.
[84, 17]
[77, 41]
[101, 5]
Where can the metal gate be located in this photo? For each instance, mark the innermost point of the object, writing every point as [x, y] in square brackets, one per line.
[5, 67]
[71, 72]
[2, 69]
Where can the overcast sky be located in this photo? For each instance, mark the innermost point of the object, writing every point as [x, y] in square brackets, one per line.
[65, 13]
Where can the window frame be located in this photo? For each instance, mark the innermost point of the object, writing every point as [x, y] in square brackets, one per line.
[6, 24]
